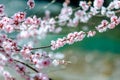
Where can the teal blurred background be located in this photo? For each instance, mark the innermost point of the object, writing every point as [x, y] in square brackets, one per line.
[96, 58]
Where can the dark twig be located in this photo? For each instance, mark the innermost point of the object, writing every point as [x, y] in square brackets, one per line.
[41, 47]
[27, 65]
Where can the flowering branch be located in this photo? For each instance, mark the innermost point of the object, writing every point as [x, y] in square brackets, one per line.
[27, 65]
[116, 12]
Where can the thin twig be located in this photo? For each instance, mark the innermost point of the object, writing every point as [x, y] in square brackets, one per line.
[27, 65]
[53, 1]
[41, 47]
[117, 11]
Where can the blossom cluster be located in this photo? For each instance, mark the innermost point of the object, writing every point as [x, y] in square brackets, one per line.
[79, 36]
[106, 25]
[70, 39]
[22, 57]
[85, 12]
[39, 59]
[9, 46]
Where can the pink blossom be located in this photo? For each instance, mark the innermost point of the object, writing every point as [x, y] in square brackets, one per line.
[7, 46]
[84, 5]
[93, 11]
[103, 10]
[7, 76]
[84, 19]
[55, 62]
[36, 20]
[19, 17]
[26, 52]
[75, 22]
[65, 14]
[32, 21]
[91, 33]
[104, 22]
[79, 13]
[34, 61]
[70, 38]
[9, 28]
[111, 6]
[23, 34]
[6, 21]
[117, 4]
[40, 76]
[2, 10]
[47, 15]
[45, 62]
[66, 11]
[31, 4]
[58, 30]
[80, 36]
[98, 3]
[115, 19]
[101, 28]
[110, 13]
[20, 68]
[1, 25]
[3, 61]
[29, 21]
[111, 25]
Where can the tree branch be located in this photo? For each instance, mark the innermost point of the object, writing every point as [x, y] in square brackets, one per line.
[27, 65]
[41, 47]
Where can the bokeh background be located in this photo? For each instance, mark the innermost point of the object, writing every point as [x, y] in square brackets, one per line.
[96, 58]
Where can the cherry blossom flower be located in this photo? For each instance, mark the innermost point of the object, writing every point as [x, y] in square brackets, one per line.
[91, 33]
[55, 62]
[9, 28]
[65, 14]
[103, 10]
[111, 6]
[9, 45]
[31, 4]
[26, 52]
[20, 68]
[93, 11]
[111, 25]
[39, 76]
[115, 19]
[79, 13]
[45, 62]
[84, 5]
[20, 16]
[7, 76]
[3, 61]
[117, 4]
[103, 26]
[23, 34]
[2, 7]
[98, 3]
[110, 13]
[6, 21]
